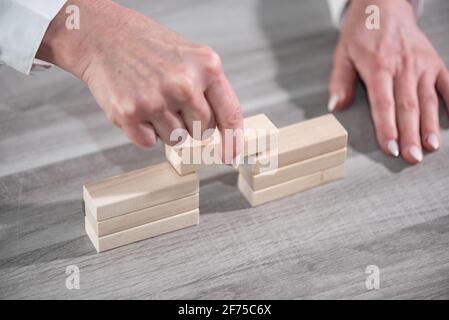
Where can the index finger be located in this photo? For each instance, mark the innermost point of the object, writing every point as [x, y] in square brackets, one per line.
[381, 97]
[228, 116]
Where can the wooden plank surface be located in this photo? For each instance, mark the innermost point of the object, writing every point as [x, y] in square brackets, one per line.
[316, 244]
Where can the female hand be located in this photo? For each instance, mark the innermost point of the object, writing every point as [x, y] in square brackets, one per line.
[148, 79]
[402, 73]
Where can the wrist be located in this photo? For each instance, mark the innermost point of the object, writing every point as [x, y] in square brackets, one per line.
[387, 5]
[398, 9]
[74, 49]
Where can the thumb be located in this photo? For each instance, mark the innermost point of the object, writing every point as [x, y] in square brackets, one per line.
[342, 81]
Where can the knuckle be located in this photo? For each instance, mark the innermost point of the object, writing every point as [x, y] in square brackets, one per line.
[212, 61]
[411, 67]
[430, 99]
[234, 119]
[155, 109]
[408, 105]
[181, 88]
[201, 113]
[383, 104]
[405, 56]
[380, 62]
[127, 113]
[407, 59]
[444, 73]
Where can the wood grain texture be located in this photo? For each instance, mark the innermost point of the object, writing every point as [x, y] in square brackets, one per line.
[289, 187]
[143, 216]
[315, 244]
[179, 165]
[303, 168]
[305, 140]
[145, 231]
[137, 190]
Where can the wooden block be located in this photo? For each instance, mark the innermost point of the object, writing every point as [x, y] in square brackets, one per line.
[257, 128]
[142, 216]
[306, 140]
[292, 171]
[176, 161]
[142, 232]
[263, 129]
[256, 198]
[137, 190]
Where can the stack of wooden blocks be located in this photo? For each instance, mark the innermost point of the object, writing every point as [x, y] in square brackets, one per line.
[140, 204]
[310, 153]
[162, 198]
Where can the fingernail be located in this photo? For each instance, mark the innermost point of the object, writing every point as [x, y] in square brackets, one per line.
[236, 162]
[333, 100]
[432, 139]
[393, 148]
[416, 153]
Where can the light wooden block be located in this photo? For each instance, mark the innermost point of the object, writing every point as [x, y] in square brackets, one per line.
[176, 161]
[142, 216]
[305, 140]
[142, 232]
[186, 164]
[292, 171]
[137, 190]
[256, 198]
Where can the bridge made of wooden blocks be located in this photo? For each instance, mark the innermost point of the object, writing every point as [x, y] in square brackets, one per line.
[165, 197]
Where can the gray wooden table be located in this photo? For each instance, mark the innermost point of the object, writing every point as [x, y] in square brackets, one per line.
[54, 138]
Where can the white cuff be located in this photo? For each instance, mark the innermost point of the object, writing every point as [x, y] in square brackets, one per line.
[23, 24]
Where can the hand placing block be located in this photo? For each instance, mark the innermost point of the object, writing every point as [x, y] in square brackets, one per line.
[164, 197]
[137, 190]
[259, 136]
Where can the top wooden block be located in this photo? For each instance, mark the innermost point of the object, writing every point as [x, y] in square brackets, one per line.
[305, 140]
[256, 129]
[137, 190]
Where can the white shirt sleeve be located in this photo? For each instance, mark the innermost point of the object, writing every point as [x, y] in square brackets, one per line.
[23, 24]
[337, 9]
